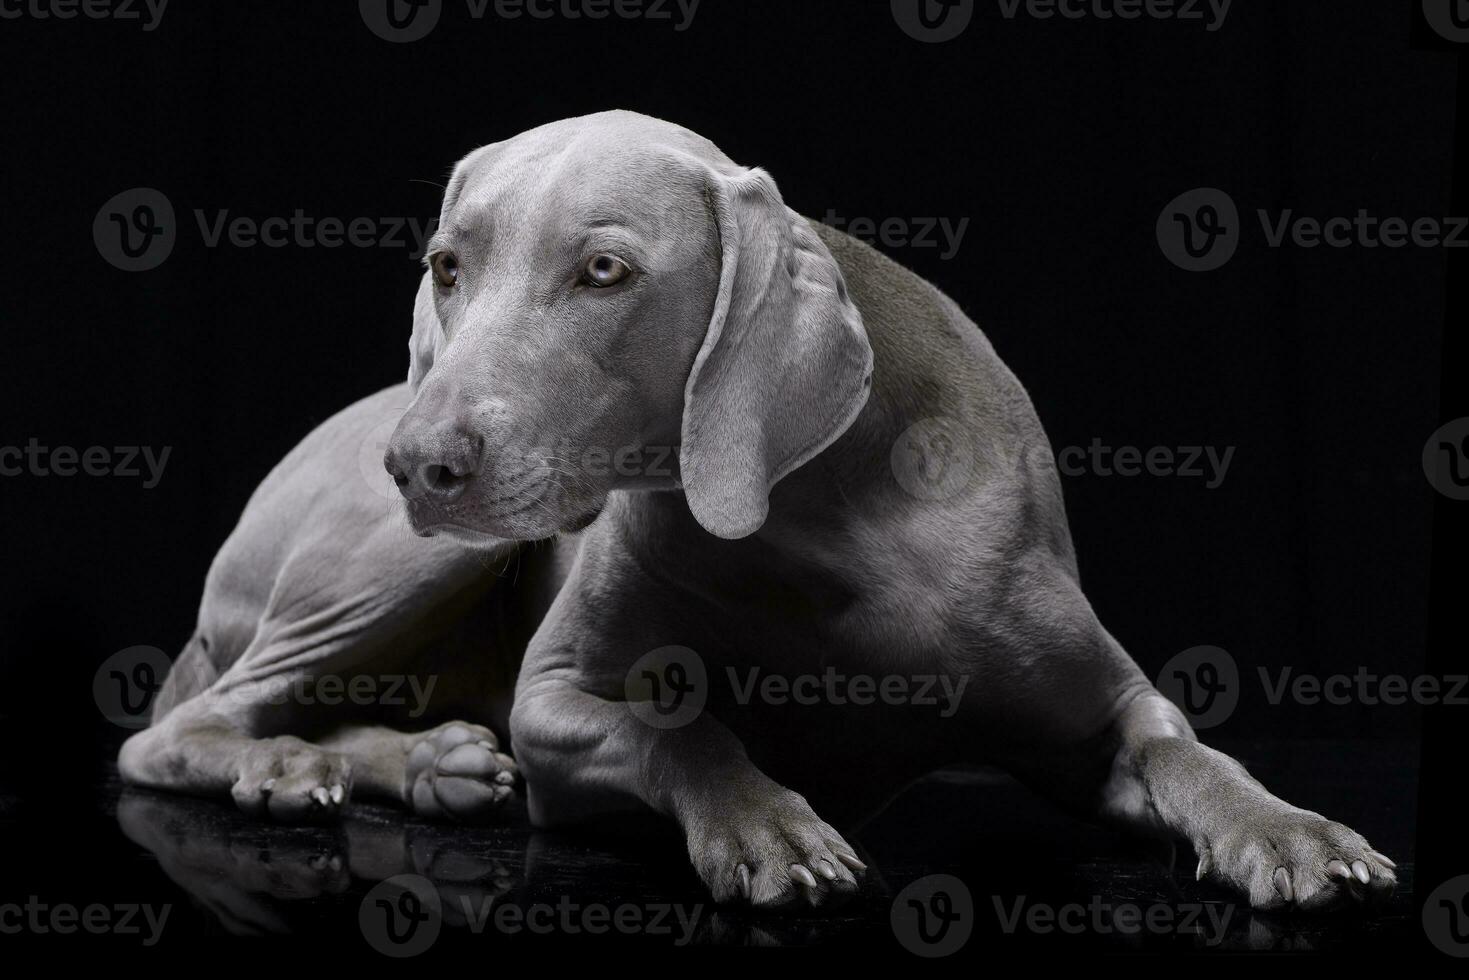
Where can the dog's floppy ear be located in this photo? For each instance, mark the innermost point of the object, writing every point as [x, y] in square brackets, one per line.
[428, 333]
[785, 366]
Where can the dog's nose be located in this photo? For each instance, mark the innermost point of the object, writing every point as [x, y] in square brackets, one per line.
[434, 463]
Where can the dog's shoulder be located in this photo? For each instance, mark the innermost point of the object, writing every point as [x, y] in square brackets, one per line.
[930, 358]
[883, 290]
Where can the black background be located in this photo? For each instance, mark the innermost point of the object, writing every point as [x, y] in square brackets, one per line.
[1059, 141]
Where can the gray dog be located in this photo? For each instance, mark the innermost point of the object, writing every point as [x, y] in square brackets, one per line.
[727, 417]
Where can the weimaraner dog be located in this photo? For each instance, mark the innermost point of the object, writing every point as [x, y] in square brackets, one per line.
[723, 416]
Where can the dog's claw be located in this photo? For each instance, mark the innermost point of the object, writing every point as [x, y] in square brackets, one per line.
[1384, 859]
[827, 871]
[1339, 869]
[851, 861]
[1360, 870]
[1282, 884]
[742, 874]
[338, 794]
[1204, 867]
[321, 796]
[803, 875]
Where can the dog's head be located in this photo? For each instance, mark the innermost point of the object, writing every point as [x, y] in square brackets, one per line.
[611, 304]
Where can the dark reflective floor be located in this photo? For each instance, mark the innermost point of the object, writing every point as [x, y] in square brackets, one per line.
[1039, 881]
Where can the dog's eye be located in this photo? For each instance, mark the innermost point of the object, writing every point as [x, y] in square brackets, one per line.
[605, 270]
[446, 269]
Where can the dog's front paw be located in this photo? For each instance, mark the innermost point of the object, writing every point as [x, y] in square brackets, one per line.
[292, 781]
[772, 852]
[1297, 858]
[457, 771]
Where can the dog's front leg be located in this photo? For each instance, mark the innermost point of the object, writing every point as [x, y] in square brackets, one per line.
[586, 752]
[749, 838]
[1100, 737]
[1249, 839]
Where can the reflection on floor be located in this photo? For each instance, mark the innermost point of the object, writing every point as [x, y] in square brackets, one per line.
[1037, 880]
